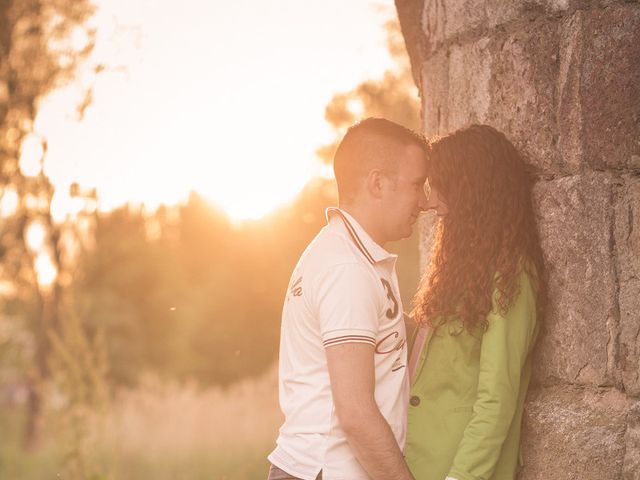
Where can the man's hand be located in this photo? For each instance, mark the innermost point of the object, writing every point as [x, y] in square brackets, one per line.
[352, 375]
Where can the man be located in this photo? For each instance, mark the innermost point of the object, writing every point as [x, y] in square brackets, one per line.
[343, 355]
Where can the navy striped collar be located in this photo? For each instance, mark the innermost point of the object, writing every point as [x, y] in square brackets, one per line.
[373, 252]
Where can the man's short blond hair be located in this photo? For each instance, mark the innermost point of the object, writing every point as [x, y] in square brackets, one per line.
[367, 145]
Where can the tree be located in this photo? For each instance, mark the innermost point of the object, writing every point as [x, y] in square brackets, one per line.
[36, 55]
[188, 293]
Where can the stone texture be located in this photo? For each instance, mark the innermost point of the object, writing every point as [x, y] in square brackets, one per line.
[553, 85]
[427, 226]
[502, 81]
[435, 93]
[572, 433]
[522, 97]
[598, 108]
[444, 20]
[627, 249]
[631, 466]
[562, 79]
[569, 106]
[610, 87]
[629, 298]
[575, 218]
[469, 96]
[410, 16]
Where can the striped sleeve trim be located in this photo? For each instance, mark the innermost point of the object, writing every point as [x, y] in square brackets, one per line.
[349, 339]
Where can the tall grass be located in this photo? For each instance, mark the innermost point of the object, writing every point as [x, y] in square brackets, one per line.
[171, 431]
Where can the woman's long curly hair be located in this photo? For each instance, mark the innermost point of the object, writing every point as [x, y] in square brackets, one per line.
[488, 235]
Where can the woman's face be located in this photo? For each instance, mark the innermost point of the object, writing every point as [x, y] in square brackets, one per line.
[435, 201]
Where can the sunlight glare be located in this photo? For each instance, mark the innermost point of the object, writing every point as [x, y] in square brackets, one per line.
[235, 121]
[7, 289]
[65, 206]
[79, 39]
[9, 202]
[253, 173]
[36, 234]
[31, 153]
[45, 269]
[355, 106]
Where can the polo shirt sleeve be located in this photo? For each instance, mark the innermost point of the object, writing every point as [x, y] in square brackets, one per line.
[347, 304]
[505, 347]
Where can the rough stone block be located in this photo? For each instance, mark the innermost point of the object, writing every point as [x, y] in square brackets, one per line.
[444, 20]
[575, 218]
[522, 92]
[571, 433]
[598, 88]
[629, 354]
[469, 94]
[631, 466]
[566, 91]
[502, 81]
[435, 93]
[610, 87]
[569, 107]
[627, 249]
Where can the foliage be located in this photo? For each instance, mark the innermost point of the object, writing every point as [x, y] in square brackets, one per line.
[394, 96]
[183, 292]
[188, 293]
[79, 370]
[180, 293]
[38, 52]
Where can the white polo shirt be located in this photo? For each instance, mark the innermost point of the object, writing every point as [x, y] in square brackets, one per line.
[343, 289]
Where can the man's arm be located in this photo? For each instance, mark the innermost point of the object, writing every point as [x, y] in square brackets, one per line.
[351, 371]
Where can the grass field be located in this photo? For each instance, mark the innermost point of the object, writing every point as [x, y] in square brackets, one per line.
[159, 431]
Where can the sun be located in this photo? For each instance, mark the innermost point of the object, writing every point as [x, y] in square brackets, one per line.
[234, 120]
[250, 177]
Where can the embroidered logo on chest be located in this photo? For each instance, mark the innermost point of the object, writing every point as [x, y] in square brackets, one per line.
[393, 311]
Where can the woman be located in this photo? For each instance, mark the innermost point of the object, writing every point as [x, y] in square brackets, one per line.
[479, 308]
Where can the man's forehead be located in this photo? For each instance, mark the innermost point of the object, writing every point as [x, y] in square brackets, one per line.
[406, 160]
[413, 162]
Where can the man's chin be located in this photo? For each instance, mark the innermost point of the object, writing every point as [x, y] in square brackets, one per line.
[405, 233]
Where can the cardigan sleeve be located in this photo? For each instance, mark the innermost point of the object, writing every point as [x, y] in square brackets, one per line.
[505, 346]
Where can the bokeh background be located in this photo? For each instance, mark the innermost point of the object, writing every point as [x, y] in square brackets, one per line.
[162, 167]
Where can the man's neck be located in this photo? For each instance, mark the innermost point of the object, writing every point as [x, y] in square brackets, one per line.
[367, 218]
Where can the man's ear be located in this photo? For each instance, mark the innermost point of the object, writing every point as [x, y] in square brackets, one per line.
[375, 183]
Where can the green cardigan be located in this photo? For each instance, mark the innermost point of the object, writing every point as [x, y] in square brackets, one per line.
[466, 402]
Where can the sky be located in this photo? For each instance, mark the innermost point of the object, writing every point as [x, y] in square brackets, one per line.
[224, 98]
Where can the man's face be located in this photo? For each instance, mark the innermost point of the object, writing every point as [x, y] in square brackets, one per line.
[405, 197]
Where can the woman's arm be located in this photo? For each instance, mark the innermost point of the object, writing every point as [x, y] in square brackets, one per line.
[505, 346]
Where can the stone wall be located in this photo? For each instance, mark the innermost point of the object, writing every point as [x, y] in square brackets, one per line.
[562, 79]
